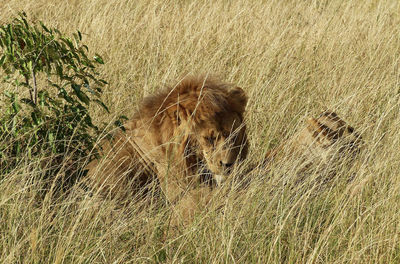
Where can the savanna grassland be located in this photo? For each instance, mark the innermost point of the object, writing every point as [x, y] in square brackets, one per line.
[294, 59]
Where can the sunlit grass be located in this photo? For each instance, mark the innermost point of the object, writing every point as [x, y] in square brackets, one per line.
[294, 59]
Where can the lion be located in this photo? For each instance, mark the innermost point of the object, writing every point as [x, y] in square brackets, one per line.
[187, 138]
[324, 142]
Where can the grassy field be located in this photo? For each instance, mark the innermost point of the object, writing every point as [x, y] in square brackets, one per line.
[294, 59]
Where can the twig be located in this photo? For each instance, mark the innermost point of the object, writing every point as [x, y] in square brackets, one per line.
[27, 83]
[34, 87]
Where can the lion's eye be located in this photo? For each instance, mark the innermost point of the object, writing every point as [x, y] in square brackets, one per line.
[226, 134]
[210, 140]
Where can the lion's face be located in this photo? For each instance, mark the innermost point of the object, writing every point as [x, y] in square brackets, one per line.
[223, 144]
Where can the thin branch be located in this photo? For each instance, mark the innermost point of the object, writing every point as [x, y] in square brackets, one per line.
[34, 87]
[27, 83]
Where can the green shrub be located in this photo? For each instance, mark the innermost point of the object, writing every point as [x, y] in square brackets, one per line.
[47, 117]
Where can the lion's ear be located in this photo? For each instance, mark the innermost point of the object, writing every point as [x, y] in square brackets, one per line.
[239, 96]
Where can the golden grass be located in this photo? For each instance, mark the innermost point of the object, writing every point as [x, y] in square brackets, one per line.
[294, 58]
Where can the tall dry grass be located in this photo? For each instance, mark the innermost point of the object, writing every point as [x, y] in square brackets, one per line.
[294, 58]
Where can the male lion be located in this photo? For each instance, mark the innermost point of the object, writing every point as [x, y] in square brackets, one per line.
[175, 137]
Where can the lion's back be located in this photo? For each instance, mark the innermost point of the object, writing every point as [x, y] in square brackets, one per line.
[122, 168]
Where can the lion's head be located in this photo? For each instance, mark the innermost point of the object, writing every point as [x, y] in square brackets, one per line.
[207, 118]
[323, 142]
[222, 142]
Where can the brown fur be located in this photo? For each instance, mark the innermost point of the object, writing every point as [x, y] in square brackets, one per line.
[174, 135]
[326, 139]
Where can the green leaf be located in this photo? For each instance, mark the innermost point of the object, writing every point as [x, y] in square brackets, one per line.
[76, 37]
[59, 70]
[8, 94]
[29, 43]
[24, 20]
[119, 124]
[101, 104]
[88, 121]
[34, 118]
[81, 95]
[42, 95]
[10, 30]
[45, 28]
[8, 41]
[2, 60]
[51, 137]
[85, 47]
[29, 65]
[56, 85]
[68, 42]
[16, 107]
[98, 58]
[124, 117]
